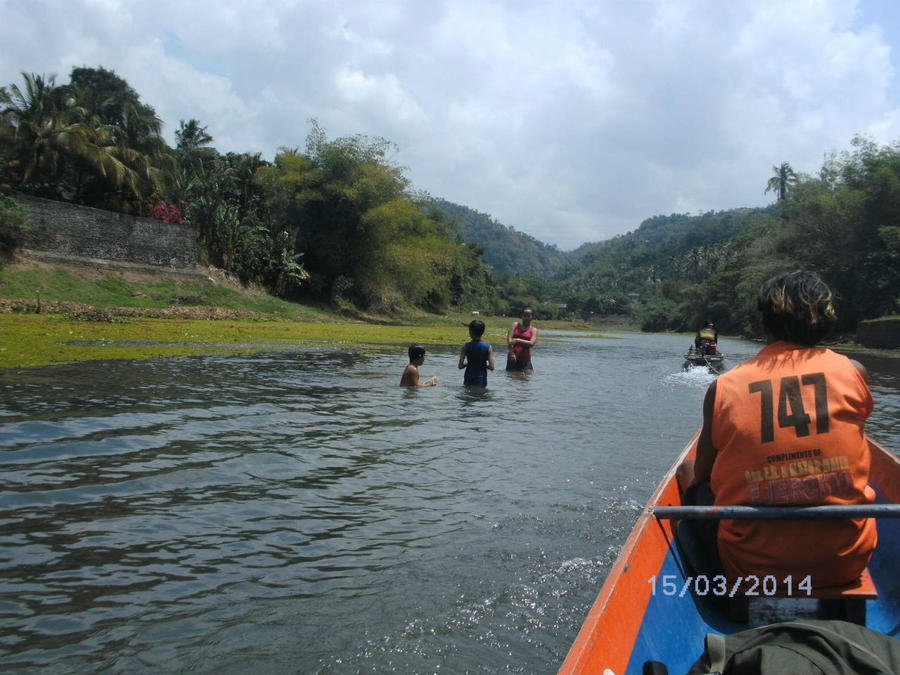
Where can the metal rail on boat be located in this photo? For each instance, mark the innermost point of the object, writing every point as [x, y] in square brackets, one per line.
[777, 512]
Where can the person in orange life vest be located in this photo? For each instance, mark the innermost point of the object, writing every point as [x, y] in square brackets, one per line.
[521, 337]
[787, 428]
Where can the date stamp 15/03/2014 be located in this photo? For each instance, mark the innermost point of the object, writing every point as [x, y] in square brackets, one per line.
[752, 585]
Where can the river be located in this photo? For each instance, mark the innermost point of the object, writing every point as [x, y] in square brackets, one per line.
[298, 512]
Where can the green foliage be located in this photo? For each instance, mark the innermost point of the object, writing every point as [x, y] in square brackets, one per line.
[519, 291]
[505, 250]
[366, 240]
[13, 224]
[890, 235]
[681, 270]
[227, 210]
[656, 315]
[336, 222]
[91, 141]
[838, 228]
[660, 272]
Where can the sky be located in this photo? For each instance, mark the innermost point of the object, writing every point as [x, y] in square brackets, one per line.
[570, 120]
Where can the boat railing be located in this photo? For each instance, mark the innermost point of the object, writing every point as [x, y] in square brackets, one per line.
[776, 512]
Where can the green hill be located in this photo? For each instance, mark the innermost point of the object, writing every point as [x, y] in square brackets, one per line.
[506, 250]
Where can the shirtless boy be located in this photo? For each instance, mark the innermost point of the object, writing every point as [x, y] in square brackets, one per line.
[410, 376]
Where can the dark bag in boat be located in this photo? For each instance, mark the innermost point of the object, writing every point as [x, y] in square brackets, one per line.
[807, 647]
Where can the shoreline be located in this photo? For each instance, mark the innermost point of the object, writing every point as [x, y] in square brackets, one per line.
[67, 332]
[52, 313]
[33, 340]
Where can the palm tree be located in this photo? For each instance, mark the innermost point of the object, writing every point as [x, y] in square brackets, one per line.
[55, 141]
[191, 136]
[783, 180]
[109, 101]
[131, 133]
[194, 156]
[33, 120]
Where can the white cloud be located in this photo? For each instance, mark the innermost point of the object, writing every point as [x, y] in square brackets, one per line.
[571, 121]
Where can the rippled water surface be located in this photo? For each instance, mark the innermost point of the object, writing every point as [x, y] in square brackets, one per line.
[299, 512]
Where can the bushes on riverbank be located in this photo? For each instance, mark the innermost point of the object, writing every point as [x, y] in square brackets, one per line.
[883, 333]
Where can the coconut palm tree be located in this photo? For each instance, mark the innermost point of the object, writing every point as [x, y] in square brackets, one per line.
[196, 159]
[131, 132]
[784, 179]
[32, 118]
[57, 146]
[109, 101]
[191, 136]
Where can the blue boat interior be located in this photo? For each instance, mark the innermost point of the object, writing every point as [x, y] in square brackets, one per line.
[678, 617]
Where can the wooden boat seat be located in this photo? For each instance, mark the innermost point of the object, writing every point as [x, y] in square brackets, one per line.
[853, 595]
[863, 588]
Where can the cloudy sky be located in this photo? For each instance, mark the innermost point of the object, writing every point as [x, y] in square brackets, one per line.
[570, 120]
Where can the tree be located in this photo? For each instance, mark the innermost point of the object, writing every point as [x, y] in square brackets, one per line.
[50, 139]
[195, 158]
[193, 149]
[13, 224]
[783, 180]
[325, 196]
[131, 132]
[366, 239]
[108, 101]
[35, 124]
[191, 136]
[64, 149]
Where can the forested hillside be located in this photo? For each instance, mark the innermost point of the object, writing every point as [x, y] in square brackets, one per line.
[506, 250]
[674, 272]
[629, 273]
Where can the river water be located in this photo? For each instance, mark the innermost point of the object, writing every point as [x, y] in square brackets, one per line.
[298, 512]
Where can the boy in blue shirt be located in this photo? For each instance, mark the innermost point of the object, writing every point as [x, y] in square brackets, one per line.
[477, 357]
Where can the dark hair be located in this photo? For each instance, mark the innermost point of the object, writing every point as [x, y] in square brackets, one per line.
[476, 327]
[416, 351]
[797, 307]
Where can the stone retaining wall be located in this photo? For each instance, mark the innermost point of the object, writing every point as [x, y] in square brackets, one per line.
[63, 232]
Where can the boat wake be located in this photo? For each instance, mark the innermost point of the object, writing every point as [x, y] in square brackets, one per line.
[694, 376]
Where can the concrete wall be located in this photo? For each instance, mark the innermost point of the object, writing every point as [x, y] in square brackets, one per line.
[879, 333]
[81, 235]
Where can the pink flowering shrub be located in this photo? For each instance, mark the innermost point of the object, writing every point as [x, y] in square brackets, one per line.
[166, 212]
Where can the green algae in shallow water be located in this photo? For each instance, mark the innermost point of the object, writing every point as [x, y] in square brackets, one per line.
[36, 340]
[40, 339]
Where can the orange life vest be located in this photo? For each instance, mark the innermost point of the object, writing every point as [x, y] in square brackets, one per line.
[788, 427]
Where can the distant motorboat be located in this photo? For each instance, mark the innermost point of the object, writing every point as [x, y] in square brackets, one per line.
[694, 357]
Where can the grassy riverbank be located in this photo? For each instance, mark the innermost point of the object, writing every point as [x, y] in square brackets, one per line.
[54, 314]
[31, 283]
